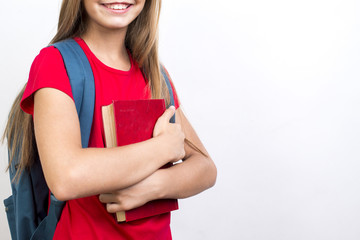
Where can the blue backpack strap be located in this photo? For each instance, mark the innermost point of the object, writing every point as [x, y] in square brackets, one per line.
[168, 84]
[82, 84]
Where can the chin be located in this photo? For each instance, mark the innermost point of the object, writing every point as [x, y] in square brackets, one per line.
[113, 15]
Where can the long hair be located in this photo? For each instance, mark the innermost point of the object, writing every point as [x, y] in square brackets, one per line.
[141, 40]
[19, 132]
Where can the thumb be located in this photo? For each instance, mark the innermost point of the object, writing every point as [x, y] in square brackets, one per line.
[169, 113]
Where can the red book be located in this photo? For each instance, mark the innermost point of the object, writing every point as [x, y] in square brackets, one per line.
[133, 121]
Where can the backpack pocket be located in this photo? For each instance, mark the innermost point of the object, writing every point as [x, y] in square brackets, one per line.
[10, 213]
[46, 228]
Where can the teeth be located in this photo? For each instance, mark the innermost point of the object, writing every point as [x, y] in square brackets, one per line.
[117, 6]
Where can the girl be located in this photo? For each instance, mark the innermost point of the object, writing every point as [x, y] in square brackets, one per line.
[120, 41]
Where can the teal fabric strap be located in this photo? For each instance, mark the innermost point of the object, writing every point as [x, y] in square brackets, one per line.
[82, 84]
[168, 84]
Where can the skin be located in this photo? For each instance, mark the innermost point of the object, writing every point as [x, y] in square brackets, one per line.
[123, 177]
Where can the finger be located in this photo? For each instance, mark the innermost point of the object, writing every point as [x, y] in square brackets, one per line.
[113, 208]
[107, 198]
[169, 113]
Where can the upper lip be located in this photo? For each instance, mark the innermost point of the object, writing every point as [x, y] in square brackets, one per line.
[123, 2]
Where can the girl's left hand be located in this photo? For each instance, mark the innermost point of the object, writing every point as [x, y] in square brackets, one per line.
[131, 197]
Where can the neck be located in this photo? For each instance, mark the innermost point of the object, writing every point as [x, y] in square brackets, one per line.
[108, 46]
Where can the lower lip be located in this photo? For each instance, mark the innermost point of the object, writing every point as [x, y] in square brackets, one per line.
[118, 11]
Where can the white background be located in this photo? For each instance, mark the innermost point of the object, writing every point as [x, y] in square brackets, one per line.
[272, 88]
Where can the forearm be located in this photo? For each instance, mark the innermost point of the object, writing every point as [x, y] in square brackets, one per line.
[123, 166]
[91, 171]
[188, 178]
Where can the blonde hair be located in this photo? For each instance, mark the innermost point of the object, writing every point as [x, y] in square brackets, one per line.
[141, 40]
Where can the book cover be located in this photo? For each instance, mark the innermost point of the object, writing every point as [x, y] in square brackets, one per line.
[132, 121]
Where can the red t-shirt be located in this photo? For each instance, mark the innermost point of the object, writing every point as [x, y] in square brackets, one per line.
[87, 218]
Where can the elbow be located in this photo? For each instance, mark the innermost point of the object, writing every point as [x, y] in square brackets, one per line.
[212, 174]
[62, 175]
[62, 187]
[209, 174]
[60, 194]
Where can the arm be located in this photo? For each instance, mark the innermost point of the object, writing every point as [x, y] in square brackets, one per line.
[73, 172]
[195, 174]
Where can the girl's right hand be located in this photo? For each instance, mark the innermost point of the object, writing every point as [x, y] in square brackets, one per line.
[171, 134]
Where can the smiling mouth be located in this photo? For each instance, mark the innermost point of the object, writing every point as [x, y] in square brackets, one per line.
[117, 6]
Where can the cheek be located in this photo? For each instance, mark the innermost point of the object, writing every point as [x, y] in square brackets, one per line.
[141, 5]
[138, 10]
[89, 8]
[86, 4]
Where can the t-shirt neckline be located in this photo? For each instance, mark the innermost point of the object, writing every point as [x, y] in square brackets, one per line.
[100, 63]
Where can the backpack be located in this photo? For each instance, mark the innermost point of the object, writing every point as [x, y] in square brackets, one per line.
[32, 211]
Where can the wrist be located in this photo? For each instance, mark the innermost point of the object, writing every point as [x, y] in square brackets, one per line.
[159, 184]
[165, 148]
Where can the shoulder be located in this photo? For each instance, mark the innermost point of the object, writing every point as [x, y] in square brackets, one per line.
[47, 71]
[47, 64]
[48, 52]
[47, 59]
[47, 55]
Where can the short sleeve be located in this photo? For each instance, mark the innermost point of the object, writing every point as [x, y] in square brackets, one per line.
[47, 71]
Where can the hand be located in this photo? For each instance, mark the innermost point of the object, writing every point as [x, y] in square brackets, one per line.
[172, 135]
[131, 197]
